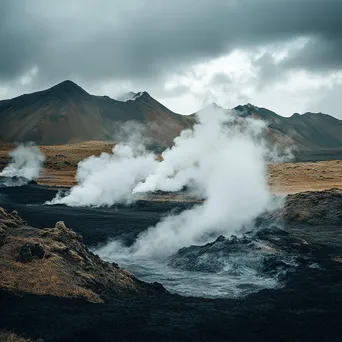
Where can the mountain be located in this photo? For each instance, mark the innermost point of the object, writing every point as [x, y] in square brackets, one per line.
[314, 136]
[67, 113]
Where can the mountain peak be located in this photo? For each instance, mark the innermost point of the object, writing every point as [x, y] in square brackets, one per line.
[142, 94]
[251, 110]
[67, 83]
[247, 106]
[68, 87]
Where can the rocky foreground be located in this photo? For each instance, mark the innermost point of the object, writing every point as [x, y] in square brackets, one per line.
[52, 288]
[54, 261]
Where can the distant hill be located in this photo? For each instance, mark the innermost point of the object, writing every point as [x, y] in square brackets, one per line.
[315, 136]
[67, 113]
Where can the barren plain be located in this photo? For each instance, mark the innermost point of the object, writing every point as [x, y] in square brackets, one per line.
[61, 165]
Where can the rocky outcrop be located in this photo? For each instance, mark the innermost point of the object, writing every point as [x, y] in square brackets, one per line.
[54, 261]
[268, 252]
[7, 336]
[312, 208]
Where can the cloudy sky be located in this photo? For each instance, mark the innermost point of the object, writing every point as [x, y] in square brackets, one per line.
[285, 55]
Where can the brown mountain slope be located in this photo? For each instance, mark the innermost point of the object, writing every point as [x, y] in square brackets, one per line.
[67, 113]
[313, 135]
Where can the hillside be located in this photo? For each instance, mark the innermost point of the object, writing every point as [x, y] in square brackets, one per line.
[67, 113]
[54, 261]
[315, 136]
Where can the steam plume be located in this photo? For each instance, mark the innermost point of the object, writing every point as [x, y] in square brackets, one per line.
[109, 178]
[26, 161]
[223, 159]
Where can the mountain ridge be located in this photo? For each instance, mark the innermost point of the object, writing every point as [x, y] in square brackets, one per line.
[66, 113]
[307, 131]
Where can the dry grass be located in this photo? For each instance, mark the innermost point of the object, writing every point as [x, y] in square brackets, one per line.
[56, 262]
[58, 177]
[7, 336]
[64, 157]
[62, 160]
[42, 278]
[298, 177]
[283, 178]
[46, 276]
[52, 274]
[73, 153]
[338, 259]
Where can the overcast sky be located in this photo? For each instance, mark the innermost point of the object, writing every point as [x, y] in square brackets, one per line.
[285, 55]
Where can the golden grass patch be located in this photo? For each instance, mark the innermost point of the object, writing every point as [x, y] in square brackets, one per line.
[8, 336]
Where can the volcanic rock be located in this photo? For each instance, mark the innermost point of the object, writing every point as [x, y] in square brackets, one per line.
[267, 251]
[312, 208]
[31, 251]
[54, 261]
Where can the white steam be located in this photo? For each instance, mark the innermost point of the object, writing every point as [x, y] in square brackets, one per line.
[109, 178]
[26, 161]
[223, 160]
[198, 151]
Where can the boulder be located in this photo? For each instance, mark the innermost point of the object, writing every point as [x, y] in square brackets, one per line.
[31, 251]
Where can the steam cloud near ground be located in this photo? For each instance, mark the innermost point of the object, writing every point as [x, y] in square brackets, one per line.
[109, 178]
[222, 160]
[26, 161]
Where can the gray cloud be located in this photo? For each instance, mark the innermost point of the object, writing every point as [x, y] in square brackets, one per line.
[269, 71]
[220, 78]
[93, 41]
[328, 103]
[321, 53]
[18, 40]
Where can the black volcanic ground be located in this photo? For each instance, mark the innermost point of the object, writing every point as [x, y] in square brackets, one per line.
[307, 308]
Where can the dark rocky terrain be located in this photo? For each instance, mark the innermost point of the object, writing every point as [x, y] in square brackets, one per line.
[266, 251]
[111, 304]
[312, 208]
